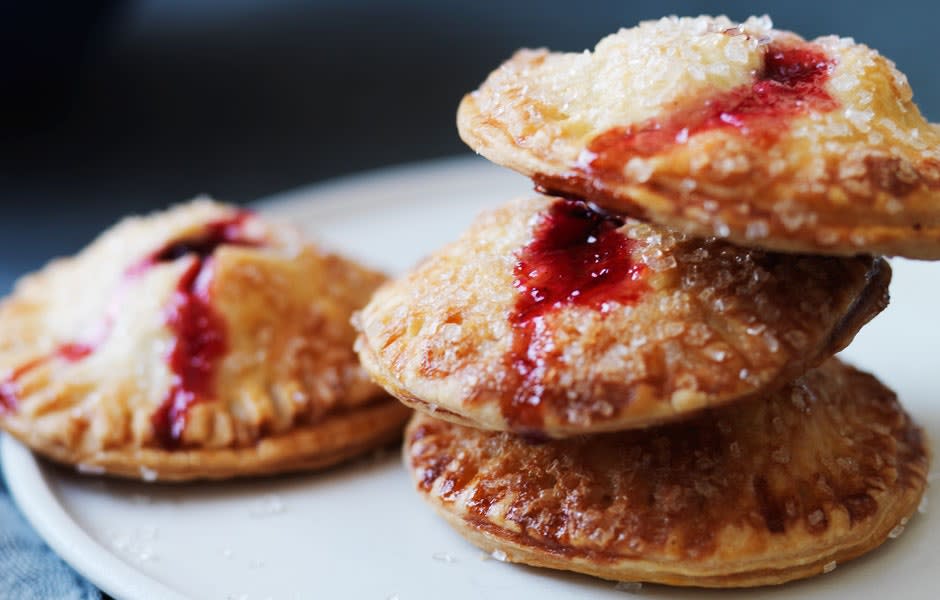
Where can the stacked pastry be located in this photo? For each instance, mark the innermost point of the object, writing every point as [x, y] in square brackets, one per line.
[632, 375]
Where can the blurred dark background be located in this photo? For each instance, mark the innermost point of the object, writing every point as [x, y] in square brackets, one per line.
[110, 107]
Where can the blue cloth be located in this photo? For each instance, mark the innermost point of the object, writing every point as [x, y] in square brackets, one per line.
[29, 570]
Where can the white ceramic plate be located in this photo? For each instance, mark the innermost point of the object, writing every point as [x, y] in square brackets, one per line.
[360, 531]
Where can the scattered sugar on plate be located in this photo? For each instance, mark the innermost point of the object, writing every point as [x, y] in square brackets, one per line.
[499, 555]
[628, 586]
[85, 469]
[136, 545]
[141, 499]
[119, 542]
[271, 505]
[443, 557]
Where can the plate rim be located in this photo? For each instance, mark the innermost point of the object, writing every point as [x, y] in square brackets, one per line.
[27, 480]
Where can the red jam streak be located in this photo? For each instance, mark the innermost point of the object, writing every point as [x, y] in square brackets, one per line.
[217, 233]
[576, 258]
[792, 83]
[199, 341]
[10, 386]
[199, 331]
[69, 352]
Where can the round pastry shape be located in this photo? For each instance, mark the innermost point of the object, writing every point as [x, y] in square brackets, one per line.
[716, 128]
[756, 493]
[550, 318]
[200, 342]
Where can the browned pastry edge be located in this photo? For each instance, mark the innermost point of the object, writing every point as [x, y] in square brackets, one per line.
[668, 207]
[336, 438]
[390, 384]
[873, 299]
[799, 555]
[520, 549]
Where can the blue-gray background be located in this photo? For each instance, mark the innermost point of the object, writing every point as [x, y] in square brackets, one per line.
[109, 107]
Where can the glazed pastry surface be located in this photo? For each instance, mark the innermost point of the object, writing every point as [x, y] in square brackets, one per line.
[551, 319]
[756, 493]
[718, 128]
[201, 342]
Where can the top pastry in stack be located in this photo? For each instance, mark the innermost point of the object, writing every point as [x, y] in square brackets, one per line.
[631, 375]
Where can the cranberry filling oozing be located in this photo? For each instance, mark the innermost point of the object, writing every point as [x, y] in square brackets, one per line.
[577, 257]
[792, 83]
[199, 332]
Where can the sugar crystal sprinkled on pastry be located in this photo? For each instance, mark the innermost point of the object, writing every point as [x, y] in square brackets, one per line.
[756, 493]
[201, 342]
[719, 128]
[549, 318]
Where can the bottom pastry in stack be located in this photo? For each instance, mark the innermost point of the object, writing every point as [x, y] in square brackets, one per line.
[760, 492]
[609, 397]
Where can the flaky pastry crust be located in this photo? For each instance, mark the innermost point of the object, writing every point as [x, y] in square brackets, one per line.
[709, 323]
[201, 342]
[757, 493]
[717, 128]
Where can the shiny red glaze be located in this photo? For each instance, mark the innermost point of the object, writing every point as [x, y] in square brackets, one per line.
[199, 341]
[791, 84]
[576, 257]
[75, 351]
[222, 232]
[199, 331]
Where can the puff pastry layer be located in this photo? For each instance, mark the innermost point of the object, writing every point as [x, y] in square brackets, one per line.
[717, 128]
[752, 494]
[549, 318]
[197, 343]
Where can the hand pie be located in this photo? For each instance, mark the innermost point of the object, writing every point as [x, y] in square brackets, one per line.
[196, 343]
[755, 493]
[549, 318]
[715, 128]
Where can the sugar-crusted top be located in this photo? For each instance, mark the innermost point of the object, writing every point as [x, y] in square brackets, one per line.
[639, 70]
[835, 159]
[617, 324]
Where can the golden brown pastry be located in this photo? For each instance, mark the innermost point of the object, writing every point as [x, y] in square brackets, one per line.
[755, 493]
[200, 342]
[718, 128]
[549, 318]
